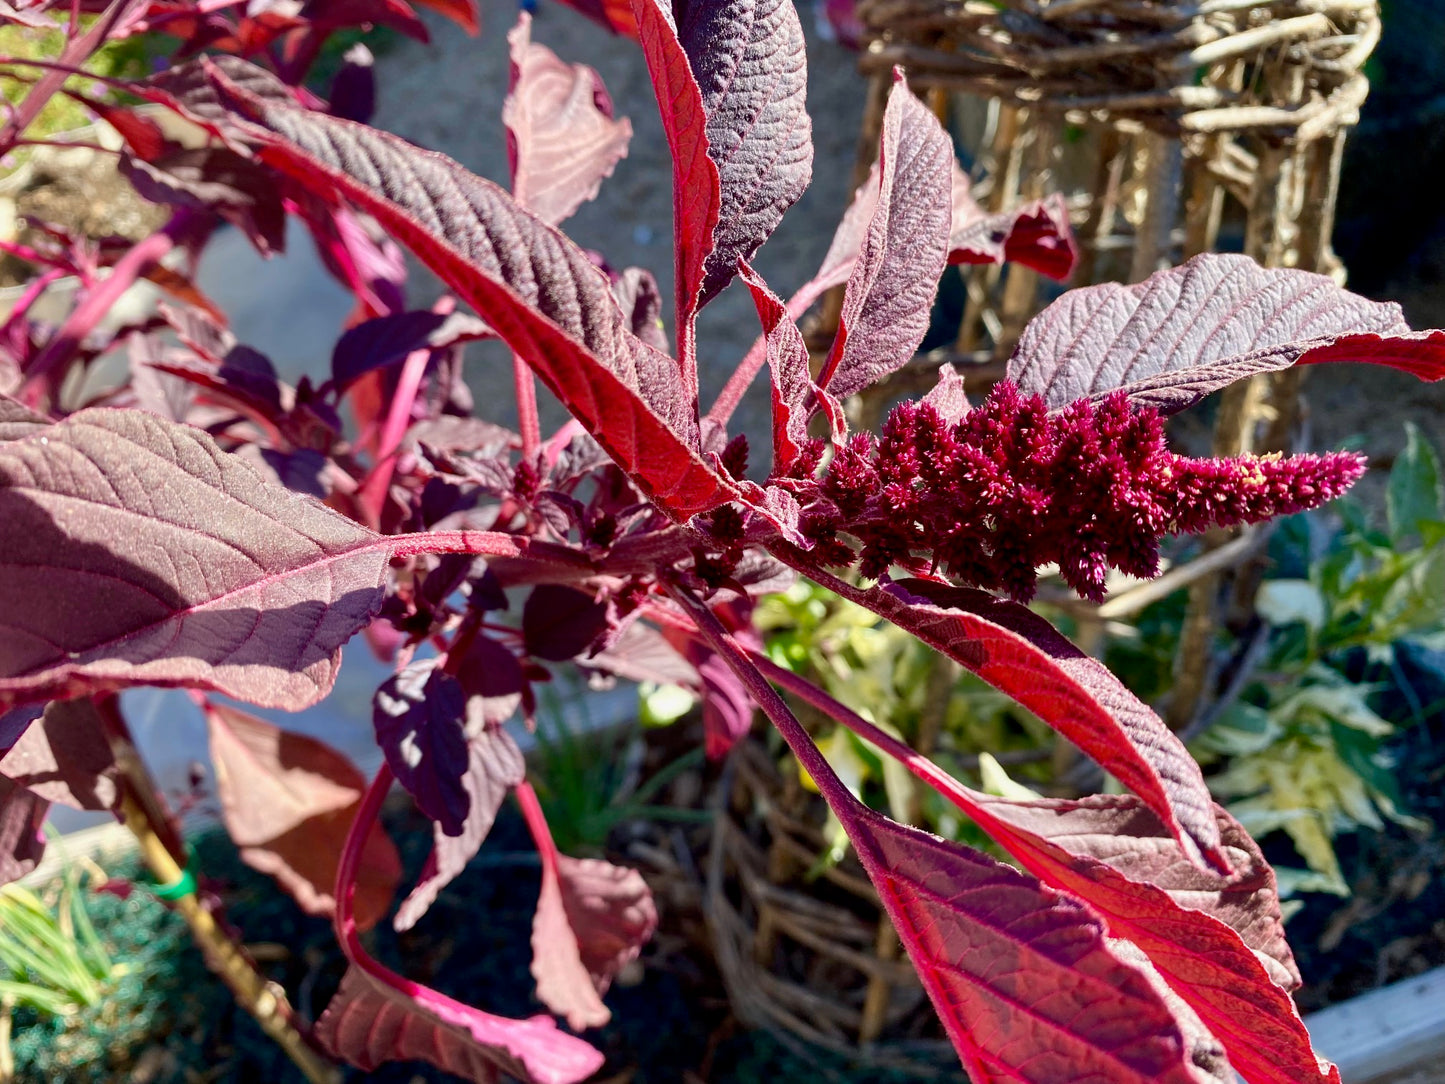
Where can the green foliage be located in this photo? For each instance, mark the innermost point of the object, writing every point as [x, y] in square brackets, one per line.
[50, 957]
[587, 782]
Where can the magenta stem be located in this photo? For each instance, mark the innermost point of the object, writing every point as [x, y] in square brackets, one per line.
[398, 417]
[529, 424]
[536, 820]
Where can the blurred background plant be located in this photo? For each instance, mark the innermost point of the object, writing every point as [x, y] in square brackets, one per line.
[590, 779]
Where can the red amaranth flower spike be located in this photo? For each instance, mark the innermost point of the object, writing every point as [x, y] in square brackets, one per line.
[1011, 487]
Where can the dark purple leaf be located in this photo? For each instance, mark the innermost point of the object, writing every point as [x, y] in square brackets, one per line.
[788, 367]
[370, 1022]
[491, 676]
[387, 340]
[288, 801]
[218, 179]
[353, 91]
[750, 65]
[559, 622]
[139, 553]
[65, 757]
[561, 137]
[891, 286]
[540, 292]
[1182, 333]
[419, 714]
[592, 920]
[494, 767]
[22, 844]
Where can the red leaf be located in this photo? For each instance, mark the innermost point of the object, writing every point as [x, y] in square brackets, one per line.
[540, 292]
[461, 12]
[696, 191]
[370, 1022]
[1035, 235]
[494, 766]
[22, 844]
[1022, 976]
[749, 61]
[1021, 654]
[288, 802]
[561, 138]
[592, 919]
[1182, 333]
[788, 365]
[139, 553]
[891, 286]
[64, 756]
[1218, 940]
[615, 15]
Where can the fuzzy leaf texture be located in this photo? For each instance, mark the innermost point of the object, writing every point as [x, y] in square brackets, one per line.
[890, 289]
[750, 66]
[1187, 331]
[562, 139]
[288, 801]
[540, 292]
[139, 553]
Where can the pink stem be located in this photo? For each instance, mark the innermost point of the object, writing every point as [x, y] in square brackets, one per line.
[350, 864]
[76, 53]
[537, 824]
[374, 490]
[98, 302]
[528, 423]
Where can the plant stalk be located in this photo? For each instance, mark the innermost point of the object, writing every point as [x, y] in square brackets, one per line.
[160, 844]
